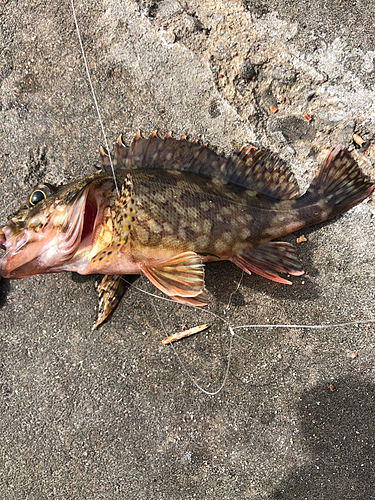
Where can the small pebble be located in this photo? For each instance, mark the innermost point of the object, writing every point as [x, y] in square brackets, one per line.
[247, 71]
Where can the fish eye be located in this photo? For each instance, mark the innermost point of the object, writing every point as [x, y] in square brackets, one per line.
[41, 192]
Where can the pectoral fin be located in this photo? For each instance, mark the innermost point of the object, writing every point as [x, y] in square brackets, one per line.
[270, 259]
[202, 299]
[110, 290]
[180, 277]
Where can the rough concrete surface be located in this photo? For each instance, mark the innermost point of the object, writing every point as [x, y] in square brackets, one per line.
[112, 414]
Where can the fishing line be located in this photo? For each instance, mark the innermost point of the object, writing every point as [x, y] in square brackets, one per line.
[307, 327]
[187, 371]
[94, 97]
[233, 334]
[236, 290]
[265, 326]
[316, 327]
[205, 311]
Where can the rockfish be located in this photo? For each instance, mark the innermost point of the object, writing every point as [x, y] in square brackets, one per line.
[179, 205]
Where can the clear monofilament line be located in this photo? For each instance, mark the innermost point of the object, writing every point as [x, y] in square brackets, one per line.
[202, 389]
[233, 334]
[316, 327]
[94, 97]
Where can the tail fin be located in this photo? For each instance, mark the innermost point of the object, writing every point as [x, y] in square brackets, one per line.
[340, 184]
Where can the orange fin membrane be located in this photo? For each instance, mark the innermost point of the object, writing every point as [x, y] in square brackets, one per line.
[251, 168]
[180, 277]
[270, 259]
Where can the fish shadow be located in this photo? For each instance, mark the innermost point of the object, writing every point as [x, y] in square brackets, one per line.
[222, 279]
[4, 290]
[82, 278]
[337, 428]
[303, 289]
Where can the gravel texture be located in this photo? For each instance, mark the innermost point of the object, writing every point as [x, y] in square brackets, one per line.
[111, 414]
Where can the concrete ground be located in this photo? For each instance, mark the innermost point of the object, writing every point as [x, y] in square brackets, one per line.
[112, 414]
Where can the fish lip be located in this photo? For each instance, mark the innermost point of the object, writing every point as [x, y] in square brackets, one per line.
[2, 239]
[5, 238]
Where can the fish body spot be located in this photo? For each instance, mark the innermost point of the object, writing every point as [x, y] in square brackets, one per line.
[141, 215]
[227, 237]
[193, 213]
[202, 241]
[197, 228]
[245, 233]
[167, 227]
[244, 219]
[143, 235]
[159, 197]
[227, 210]
[220, 246]
[206, 226]
[180, 209]
[154, 226]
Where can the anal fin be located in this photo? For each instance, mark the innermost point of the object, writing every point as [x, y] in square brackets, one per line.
[270, 259]
[181, 277]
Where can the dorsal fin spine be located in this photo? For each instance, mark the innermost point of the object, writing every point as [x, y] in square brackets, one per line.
[197, 156]
[250, 168]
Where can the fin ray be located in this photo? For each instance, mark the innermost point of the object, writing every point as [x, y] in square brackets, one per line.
[110, 290]
[340, 182]
[270, 259]
[180, 277]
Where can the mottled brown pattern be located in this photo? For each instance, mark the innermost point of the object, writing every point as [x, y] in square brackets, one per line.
[189, 212]
[179, 204]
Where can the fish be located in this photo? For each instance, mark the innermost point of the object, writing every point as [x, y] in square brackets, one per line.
[179, 205]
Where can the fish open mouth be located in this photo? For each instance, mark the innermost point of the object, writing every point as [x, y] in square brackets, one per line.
[89, 220]
[92, 217]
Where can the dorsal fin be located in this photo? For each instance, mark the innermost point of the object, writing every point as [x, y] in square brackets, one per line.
[263, 172]
[251, 168]
[106, 164]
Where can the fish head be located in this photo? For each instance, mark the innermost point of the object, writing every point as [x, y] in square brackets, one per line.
[56, 226]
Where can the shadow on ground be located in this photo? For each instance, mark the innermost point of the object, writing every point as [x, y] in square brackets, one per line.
[337, 427]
